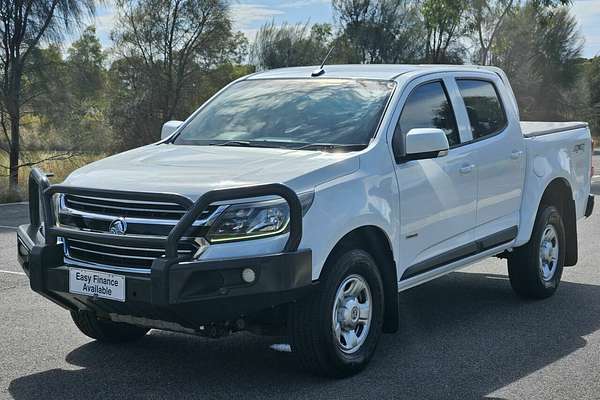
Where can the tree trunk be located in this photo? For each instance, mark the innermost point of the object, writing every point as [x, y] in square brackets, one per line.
[13, 183]
[14, 112]
[484, 55]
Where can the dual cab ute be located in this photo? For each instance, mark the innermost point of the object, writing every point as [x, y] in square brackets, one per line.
[301, 203]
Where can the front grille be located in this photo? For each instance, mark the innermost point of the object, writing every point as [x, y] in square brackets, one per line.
[128, 208]
[143, 218]
[119, 256]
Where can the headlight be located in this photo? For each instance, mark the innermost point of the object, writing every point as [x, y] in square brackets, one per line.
[255, 220]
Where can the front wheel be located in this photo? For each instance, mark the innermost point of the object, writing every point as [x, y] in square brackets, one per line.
[335, 332]
[535, 269]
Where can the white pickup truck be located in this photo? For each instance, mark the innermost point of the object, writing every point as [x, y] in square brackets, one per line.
[302, 202]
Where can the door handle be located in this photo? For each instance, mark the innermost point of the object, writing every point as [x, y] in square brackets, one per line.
[516, 154]
[465, 169]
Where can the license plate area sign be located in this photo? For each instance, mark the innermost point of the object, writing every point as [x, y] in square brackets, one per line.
[96, 283]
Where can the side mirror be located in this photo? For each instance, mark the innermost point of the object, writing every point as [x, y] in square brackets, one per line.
[168, 128]
[423, 143]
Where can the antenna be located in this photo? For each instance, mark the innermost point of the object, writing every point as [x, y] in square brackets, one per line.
[321, 71]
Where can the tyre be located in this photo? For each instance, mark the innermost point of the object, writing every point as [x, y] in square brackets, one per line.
[106, 331]
[535, 269]
[335, 332]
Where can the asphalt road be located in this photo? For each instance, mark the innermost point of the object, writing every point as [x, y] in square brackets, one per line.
[463, 336]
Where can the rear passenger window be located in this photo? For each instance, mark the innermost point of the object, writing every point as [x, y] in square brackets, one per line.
[428, 106]
[484, 108]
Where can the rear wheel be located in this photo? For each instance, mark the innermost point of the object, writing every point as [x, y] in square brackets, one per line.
[535, 269]
[106, 331]
[335, 332]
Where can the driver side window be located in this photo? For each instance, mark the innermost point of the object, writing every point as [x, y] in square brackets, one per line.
[428, 106]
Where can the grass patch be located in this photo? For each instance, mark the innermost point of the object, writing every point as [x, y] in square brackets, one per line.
[61, 167]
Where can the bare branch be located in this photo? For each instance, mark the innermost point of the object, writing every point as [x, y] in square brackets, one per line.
[56, 157]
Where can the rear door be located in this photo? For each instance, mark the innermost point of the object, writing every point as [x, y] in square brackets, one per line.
[438, 195]
[498, 150]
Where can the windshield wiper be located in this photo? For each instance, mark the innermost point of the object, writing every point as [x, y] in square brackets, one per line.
[244, 143]
[251, 143]
[308, 146]
[332, 146]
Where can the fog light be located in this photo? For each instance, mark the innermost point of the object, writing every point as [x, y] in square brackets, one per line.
[248, 275]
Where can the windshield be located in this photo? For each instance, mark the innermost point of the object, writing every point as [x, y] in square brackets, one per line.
[291, 113]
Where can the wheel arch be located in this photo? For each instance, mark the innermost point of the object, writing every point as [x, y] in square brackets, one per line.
[559, 193]
[376, 242]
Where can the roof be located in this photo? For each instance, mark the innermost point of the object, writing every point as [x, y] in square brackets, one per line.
[364, 71]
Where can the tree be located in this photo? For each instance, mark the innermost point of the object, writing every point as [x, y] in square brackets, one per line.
[540, 53]
[86, 65]
[547, 5]
[379, 31]
[290, 45]
[84, 122]
[591, 84]
[159, 45]
[444, 21]
[68, 99]
[46, 85]
[487, 16]
[23, 25]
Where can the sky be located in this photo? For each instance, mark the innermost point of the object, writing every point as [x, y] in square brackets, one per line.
[250, 15]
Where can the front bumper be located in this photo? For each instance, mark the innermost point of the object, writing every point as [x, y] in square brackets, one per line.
[178, 292]
[189, 294]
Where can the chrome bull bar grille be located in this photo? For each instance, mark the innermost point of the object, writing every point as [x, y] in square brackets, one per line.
[134, 217]
[128, 208]
[152, 231]
[87, 252]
